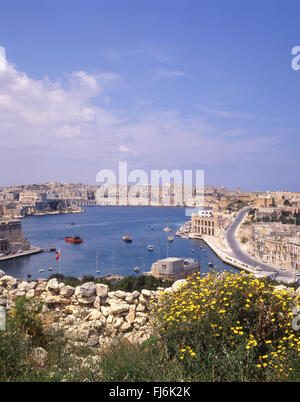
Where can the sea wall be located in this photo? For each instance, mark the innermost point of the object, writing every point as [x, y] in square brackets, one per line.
[88, 314]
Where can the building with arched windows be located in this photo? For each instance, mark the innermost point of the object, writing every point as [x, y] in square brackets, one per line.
[205, 225]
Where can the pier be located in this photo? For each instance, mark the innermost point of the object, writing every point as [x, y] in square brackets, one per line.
[25, 253]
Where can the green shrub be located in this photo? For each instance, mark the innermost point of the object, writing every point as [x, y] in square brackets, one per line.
[25, 317]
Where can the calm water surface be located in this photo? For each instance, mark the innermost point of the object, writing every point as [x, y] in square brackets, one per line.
[102, 229]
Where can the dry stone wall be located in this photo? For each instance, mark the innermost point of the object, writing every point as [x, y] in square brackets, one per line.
[88, 314]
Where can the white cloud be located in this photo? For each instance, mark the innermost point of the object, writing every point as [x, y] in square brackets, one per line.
[224, 113]
[161, 73]
[42, 117]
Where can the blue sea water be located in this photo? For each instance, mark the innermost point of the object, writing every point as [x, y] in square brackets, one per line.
[102, 229]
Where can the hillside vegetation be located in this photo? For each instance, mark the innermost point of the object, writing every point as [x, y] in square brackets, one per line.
[222, 327]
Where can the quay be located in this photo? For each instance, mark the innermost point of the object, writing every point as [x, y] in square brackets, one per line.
[25, 253]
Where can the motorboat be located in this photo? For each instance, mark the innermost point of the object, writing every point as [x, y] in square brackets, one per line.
[74, 239]
[127, 239]
[136, 269]
[150, 247]
[170, 238]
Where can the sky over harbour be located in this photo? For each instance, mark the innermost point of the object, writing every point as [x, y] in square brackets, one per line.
[160, 84]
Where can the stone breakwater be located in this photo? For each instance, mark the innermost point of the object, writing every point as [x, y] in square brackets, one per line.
[89, 314]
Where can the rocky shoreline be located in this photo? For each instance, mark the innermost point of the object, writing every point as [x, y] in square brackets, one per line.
[89, 315]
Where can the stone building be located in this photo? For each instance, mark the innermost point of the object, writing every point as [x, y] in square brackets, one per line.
[172, 268]
[277, 243]
[208, 225]
[11, 236]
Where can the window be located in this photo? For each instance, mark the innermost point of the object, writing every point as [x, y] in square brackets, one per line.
[164, 266]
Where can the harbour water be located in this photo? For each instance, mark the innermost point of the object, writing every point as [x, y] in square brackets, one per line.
[103, 249]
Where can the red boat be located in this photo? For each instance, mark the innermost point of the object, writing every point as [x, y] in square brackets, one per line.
[74, 239]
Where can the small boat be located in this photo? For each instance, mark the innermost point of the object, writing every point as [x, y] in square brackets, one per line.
[170, 238]
[50, 269]
[127, 239]
[97, 272]
[166, 228]
[74, 239]
[200, 246]
[41, 270]
[136, 269]
[210, 264]
[150, 247]
[203, 250]
[193, 250]
[29, 275]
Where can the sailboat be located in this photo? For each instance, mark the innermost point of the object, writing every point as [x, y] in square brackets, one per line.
[97, 262]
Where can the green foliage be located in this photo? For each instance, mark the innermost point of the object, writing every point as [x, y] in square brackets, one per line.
[127, 284]
[14, 350]
[148, 362]
[26, 319]
[131, 283]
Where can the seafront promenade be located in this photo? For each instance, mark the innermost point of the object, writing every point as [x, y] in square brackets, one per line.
[232, 253]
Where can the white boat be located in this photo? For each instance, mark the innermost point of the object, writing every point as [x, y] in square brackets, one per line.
[41, 270]
[50, 269]
[166, 228]
[150, 247]
[97, 272]
[136, 269]
[170, 238]
[127, 239]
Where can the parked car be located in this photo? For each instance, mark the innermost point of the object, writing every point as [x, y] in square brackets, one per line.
[282, 268]
[297, 273]
[2, 255]
[258, 268]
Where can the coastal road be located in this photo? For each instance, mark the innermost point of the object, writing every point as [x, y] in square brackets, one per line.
[239, 254]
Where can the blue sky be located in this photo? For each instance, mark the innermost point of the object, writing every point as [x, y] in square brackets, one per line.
[161, 84]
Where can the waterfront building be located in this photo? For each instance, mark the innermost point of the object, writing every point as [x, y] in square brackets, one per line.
[11, 236]
[205, 225]
[172, 268]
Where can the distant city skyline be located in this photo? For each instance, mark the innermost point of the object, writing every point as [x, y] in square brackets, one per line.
[161, 85]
